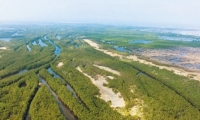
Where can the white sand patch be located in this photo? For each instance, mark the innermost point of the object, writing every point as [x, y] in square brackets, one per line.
[137, 110]
[91, 43]
[106, 93]
[135, 58]
[132, 91]
[60, 64]
[3, 48]
[110, 77]
[134, 110]
[108, 69]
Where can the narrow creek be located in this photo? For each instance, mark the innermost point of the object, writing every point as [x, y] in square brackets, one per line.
[67, 85]
[57, 49]
[28, 47]
[27, 117]
[57, 52]
[65, 111]
[21, 72]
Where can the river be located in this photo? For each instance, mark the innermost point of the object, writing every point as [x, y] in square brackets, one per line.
[57, 48]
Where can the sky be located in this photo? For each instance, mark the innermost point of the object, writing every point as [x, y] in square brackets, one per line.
[160, 13]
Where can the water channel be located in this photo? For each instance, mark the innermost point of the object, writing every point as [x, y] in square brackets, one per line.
[57, 49]
[65, 111]
[42, 44]
[22, 71]
[6, 39]
[68, 86]
[34, 43]
[76, 46]
[121, 49]
[28, 47]
[140, 42]
[58, 36]
[177, 38]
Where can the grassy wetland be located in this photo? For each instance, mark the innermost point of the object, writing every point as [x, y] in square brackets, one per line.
[98, 72]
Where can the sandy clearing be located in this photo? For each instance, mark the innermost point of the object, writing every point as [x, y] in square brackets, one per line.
[60, 64]
[107, 94]
[3, 48]
[177, 71]
[93, 44]
[134, 110]
[110, 77]
[108, 69]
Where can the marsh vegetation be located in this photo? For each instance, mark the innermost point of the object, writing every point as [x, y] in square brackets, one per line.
[92, 79]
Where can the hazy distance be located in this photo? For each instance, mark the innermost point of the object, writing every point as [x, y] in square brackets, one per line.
[159, 13]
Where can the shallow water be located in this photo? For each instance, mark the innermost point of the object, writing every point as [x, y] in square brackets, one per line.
[177, 38]
[58, 36]
[197, 66]
[111, 42]
[57, 50]
[22, 71]
[42, 44]
[68, 86]
[28, 47]
[45, 38]
[121, 49]
[76, 46]
[140, 42]
[6, 39]
[34, 43]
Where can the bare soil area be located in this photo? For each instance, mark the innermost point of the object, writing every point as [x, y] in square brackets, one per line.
[108, 69]
[60, 64]
[185, 57]
[107, 94]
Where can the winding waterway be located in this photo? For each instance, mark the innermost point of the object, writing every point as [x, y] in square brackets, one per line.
[57, 49]
[58, 36]
[65, 111]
